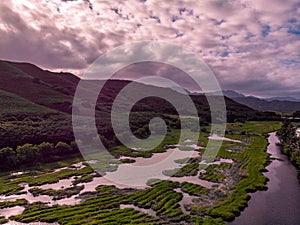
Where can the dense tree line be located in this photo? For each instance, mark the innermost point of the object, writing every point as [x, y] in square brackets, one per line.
[29, 154]
[290, 143]
[34, 128]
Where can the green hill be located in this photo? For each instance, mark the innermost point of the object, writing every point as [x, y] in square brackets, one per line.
[36, 105]
[36, 85]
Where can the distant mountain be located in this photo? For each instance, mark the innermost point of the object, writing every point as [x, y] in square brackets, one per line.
[276, 104]
[232, 94]
[290, 99]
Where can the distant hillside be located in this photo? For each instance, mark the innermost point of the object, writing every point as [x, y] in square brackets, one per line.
[272, 104]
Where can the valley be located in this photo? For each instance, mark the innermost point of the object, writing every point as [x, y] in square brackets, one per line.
[45, 179]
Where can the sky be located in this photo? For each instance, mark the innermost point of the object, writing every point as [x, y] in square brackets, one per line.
[252, 46]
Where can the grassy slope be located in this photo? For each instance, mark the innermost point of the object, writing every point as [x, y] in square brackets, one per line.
[26, 86]
[13, 104]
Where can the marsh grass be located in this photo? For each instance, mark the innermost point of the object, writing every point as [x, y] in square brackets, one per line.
[103, 206]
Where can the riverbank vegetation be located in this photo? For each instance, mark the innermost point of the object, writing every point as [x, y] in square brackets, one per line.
[249, 179]
[245, 174]
[290, 143]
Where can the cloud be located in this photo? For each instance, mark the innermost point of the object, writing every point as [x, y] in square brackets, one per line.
[243, 41]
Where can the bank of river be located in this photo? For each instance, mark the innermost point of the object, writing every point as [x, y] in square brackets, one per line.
[280, 204]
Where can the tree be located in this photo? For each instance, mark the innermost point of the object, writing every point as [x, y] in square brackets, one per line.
[296, 114]
[46, 151]
[291, 143]
[287, 134]
[62, 148]
[8, 158]
[74, 147]
[27, 154]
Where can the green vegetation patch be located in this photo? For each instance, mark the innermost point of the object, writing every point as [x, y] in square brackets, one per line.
[18, 202]
[49, 178]
[3, 220]
[193, 189]
[187, 170]
[57, 194]
[84, 179]
[8, 187]
[215, 173]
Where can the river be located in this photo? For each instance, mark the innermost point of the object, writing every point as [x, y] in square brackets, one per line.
[280, 204]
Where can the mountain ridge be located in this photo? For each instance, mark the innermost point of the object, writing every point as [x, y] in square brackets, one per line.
[271, 104]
